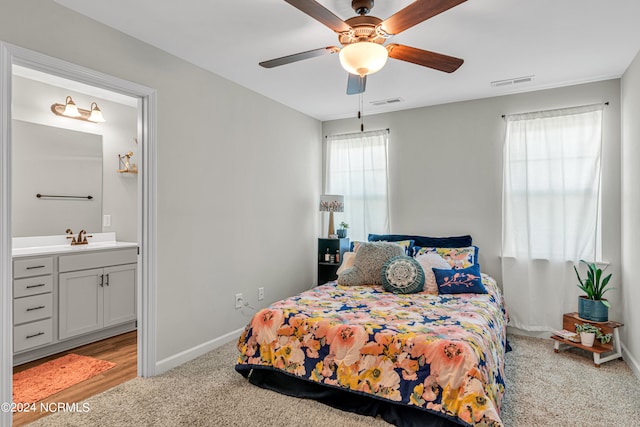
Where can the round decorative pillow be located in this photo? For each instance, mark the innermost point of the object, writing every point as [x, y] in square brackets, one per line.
[402, 275]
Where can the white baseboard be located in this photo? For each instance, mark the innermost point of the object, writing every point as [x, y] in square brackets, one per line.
[631, 361]
[184, 356]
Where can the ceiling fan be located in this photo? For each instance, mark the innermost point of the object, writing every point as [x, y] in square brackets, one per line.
[362, 38]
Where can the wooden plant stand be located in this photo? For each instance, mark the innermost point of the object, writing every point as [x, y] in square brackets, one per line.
[601, 352]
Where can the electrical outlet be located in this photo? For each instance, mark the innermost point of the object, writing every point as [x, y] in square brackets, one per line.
[260, 294]
[106, 221]
[238, 300]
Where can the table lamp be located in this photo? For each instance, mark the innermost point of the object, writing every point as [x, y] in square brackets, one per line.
[331, 203]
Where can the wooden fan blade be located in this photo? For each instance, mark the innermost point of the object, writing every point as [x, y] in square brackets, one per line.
[321, 14]
[356, 84]
[415, 13]
[434, 60]
[299, 56]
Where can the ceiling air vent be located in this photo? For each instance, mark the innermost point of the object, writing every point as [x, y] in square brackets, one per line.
[509, 82]
[386, 101]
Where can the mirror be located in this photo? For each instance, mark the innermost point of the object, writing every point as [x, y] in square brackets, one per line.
[63, 167]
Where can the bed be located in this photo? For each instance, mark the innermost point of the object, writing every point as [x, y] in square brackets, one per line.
[413, 359]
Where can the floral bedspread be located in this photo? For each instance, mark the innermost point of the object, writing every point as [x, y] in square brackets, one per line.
[441, 353]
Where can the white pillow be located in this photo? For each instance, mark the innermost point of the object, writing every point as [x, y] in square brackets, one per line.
[429, 261]
[348, 258]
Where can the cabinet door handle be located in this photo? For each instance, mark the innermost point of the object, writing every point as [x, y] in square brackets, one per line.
[35, 335]
[106, 282]
[35, 308]
[35, 266]
[101, 280]
[35, 286]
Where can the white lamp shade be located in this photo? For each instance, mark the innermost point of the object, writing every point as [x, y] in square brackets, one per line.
[70, 109]
[96, 114]
[331, 203]
[363, 58]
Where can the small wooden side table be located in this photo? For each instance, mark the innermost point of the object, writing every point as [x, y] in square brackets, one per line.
[601, 352]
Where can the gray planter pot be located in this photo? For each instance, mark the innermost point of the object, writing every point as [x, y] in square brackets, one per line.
[589, 309]
[342, 232]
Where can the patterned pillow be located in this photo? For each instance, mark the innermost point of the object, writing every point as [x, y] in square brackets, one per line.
[429, 261]
[461, 281]
[402, 275]
[456, 257]
[368, 263]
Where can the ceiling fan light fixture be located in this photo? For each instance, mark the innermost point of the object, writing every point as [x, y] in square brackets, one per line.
[363, 58]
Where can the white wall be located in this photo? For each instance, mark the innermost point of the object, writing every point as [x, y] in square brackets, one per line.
[631, 211]
[445, 167]
[32, 101]
[238, 176]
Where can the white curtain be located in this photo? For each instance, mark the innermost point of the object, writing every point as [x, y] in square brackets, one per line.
[356, 167]
[551, 196]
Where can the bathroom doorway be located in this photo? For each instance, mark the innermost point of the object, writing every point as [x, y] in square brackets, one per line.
[29, 79]
[71, 173]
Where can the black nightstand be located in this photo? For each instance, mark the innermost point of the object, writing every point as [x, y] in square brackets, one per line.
[327, 270]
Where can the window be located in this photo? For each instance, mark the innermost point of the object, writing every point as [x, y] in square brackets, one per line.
[551, 204]
[552, 184]
[356, 167]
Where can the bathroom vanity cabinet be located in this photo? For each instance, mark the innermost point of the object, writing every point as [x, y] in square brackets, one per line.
[32, 302]
[64, 300]
[93, 298]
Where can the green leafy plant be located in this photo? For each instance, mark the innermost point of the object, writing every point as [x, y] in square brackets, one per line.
[344, 225]
[594, 285]
[590, 329]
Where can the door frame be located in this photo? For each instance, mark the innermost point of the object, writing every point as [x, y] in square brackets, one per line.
[147, 204]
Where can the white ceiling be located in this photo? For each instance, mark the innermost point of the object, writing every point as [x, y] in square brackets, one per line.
[560, 42]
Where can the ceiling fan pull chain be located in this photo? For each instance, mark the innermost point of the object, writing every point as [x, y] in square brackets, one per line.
[361, 112]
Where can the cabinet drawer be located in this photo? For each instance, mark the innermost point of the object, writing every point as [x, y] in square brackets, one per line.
[32, 286]
[97, 259]
[32, 308]
[32, 267]
[32, 335]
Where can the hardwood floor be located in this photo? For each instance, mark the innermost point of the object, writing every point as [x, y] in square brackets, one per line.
[121, 350]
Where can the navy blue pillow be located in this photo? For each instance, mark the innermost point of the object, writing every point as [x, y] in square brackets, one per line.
[461, 281]
[431, 242]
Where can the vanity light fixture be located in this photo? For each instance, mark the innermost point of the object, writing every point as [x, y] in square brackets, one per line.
[69, 109]
[95, 115]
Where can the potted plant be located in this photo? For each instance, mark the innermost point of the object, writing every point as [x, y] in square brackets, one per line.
[593, 306]
[588, 334]
[342, 231]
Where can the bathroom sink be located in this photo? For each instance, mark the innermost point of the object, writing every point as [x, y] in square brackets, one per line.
[44, 245]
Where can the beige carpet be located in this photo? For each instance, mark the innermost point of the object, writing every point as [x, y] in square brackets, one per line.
[543, 389]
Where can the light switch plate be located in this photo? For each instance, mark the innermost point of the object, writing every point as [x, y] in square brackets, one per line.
[106, 221]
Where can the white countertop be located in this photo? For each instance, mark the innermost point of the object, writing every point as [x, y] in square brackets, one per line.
[52, 245]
